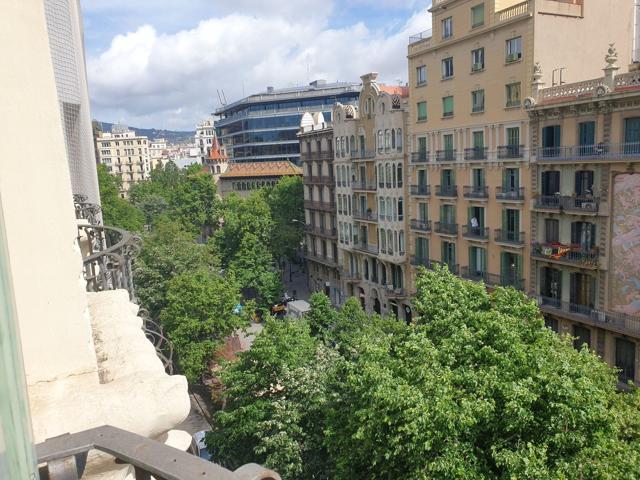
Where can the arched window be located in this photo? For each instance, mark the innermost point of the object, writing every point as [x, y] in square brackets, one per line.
[352, 142]
[393, 138]
[381, 208]
[383, 241]
[395, 209]
[346, 145]
[399, 139]
[400, 209]
[389, 241]
[401, 241]
[395, 241]
[394, 176]
[388, 174]
[387, 139]
[399, 169]
[388, 208]
[381, 107]
[339, 175]
[340, 204]
[380, 141]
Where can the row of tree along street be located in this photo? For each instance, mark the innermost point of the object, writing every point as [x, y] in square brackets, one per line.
[476, 387]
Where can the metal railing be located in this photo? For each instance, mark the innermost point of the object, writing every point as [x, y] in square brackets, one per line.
[578, 204]
[509, 236]
[420, 157]
[420, 225]
[548, 201]
[616, 321]
[418, 261]
[369, 216]
[574, 254]
[478, 233]
[65, 458]
[446, 228]
[155, 334]
[85, 210]
[324, 206]
[420, 190]
[476, 153]
[324, 259]
[475, 191]
[510, 193]
[448, 155]
[323, 231]
[350, 276]
[366, 247]
[600, 151]
[321, 180]
[421, 36]
[492, 279]
[447, 190]
[510, 151]
[363, 155]
[363, 185]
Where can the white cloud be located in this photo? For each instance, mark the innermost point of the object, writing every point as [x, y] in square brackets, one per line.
[151, 79]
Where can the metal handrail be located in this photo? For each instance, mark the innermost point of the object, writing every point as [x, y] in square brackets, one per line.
[65, 457]
[85, 210]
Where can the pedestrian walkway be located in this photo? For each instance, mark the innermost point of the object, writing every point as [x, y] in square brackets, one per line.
[298, 282]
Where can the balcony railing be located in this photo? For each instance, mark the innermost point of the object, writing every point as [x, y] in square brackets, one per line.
[548, 201]
[322, 231]
[615, 321]
[446, 155]
[597, 152]
[321, 180]
[366, 248]
[418, 261]
[513, 11]
[510, 194]
[324, 259]
[510, 151]
[509, 236]
[446, 228]
[420, 36]
[366, 186]
[323, 206]
[571, 254]
[447, 190]
[579, 204]
[475, 233]
[367, 216]
[476, 153]
[420, 225]
[85, 210]
[420, 157]
[363, 155]
[474, 191]
[420, 190]
[65, 458]
[492, 279]
[352, 277]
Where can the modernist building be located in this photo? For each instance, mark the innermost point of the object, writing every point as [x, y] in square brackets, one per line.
[158, 153]
[243, 178]
[217, 161]
[263, 127]
[585, 228]
[125, 154]
[67, 55]
[204, 137]
[371, 192]
[470, 166]
[321, 232]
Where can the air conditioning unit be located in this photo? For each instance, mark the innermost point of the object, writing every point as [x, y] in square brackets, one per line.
[512, 57]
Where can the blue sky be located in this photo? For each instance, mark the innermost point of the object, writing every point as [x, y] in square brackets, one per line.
[158, 63]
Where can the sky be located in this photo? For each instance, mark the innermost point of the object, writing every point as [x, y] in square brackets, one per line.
[160, 63]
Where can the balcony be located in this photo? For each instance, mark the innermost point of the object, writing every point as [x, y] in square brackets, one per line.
[420, 190]
[319, 258]
[548, 202]
[418, 37]
[512, 12]
[65, 457]
[322, 206]
[509, 237]
[510, 194]
[418, 261]
[476, 192]
[420, 225]
[606, 319]
[601, 152]
[475, 233]
[395, 293]
[492, 279]
[366, 248]
[363, 155]
[447, 191]
[446, 228]
[506, 152]
[364, 186]
[581, 205]
[446, 155]
[350, 277]
[572, 255]
[476, 153]
[321, 231]
[420, 157]
[367, 216]
[321, 180]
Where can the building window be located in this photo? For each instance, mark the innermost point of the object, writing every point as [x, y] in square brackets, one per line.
[583, 337]
[626, 359]
[447, 27]
[449, 255]
[477, 59]
[514, 49]
[477, 15]
[513, 94]
[421, 75]
[447, 68]
[551, 230]
[447, 106]
[399, 139]
[477, 101]
[422, 111]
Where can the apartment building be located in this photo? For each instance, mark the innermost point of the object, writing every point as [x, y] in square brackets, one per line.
[125, 154]
[158, 153]
[321, 232]
[470, 169]
[204, 137]
[585, 229]
[370, 164]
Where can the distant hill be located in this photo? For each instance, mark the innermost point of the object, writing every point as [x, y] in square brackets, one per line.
[172, 136]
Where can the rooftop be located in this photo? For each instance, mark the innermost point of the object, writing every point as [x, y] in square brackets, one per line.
[261, 169]
[402, 91]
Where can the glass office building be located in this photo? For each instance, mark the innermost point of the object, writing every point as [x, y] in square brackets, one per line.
[264, 126]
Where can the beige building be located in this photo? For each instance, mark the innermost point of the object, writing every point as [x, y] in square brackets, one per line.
[204, 139]
[321, 232]
[125, 154]
[470, 171]
[370, 165]
[158, 153]
[585, 228]
[245, 177]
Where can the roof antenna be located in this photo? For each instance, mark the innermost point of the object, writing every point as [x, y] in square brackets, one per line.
[225, 97]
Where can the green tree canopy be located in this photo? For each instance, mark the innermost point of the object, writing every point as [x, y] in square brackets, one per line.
[286, 201]
[116, 211]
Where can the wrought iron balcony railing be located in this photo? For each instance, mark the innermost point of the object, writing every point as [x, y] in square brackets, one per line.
[447, 190]
[569, 254]
[420, 190]
[510, 193]
[512, 237]
[85, 210]
[597, 152]
[420, 225]
[492, 279]
[446, 228]
[65, 458]
[583, 204]
[476, 153]
[475, 233]
[446, 155]
[366, 186]
[475, 191]
[420, 157]
[366, 248]
[510, 151]
[367, 216]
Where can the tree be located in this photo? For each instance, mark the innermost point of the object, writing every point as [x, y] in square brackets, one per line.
[166, 252]
[322, 317]
[286, 201]
[193, 201]
[198, 316]
[116, 211]
[476, 387]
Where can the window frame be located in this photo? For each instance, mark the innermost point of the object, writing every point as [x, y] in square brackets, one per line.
[474, 8]
[474, 63]
[473, 103]
[421, 75]
[447, 113]
[418, 116]
[508, 53]
[447, 27]
[447, 61]
[510, 103]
